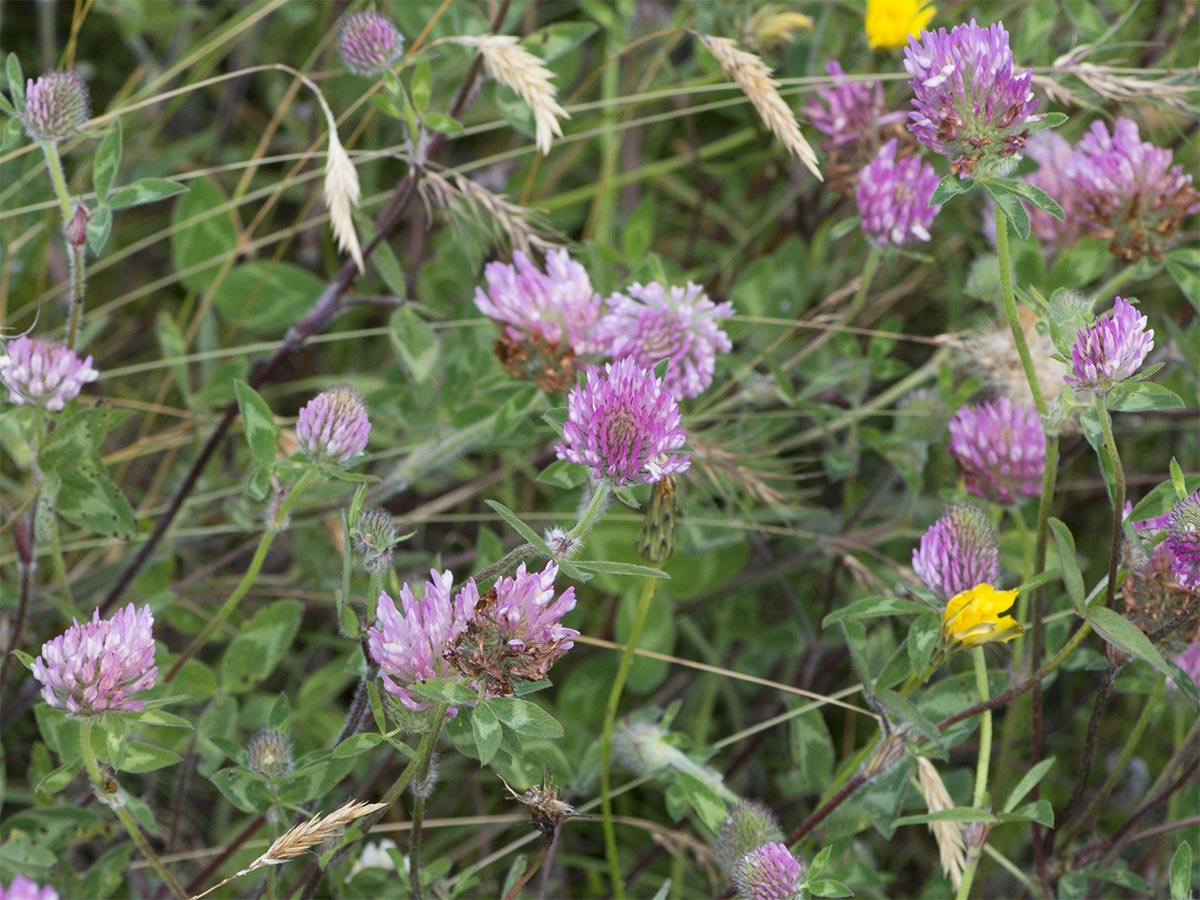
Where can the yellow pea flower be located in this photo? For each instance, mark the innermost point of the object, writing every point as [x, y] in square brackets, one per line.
[973, 617]
[890, 22]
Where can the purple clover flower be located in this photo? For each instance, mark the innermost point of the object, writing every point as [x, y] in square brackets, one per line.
[1111, 349]
[21, 888]
[1000, 448]
[769, 872]
[893, 198]
[369, 44]
[652, 323]
[333, 427]
[559, 306]
[408, 644]
[56, 106]
[971, 105]
[100, 665]
[529, 615]
[1183, 540]
[958, 552]
[624, 425]
[44, 374]
[1128, 191]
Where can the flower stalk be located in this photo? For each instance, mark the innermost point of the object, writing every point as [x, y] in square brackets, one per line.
[1118, 500]
[979, 796]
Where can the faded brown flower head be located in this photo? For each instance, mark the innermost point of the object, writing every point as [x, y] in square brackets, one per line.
[545, 809]
[551, 366]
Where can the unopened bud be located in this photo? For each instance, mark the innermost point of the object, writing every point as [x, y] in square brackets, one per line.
[76, 228]
[749, 825]
[656, 539]
[374, 537]
[270, 754]
[975, 835]
[1115, 655]
[563, 545]
[56, 106]
[885, 756]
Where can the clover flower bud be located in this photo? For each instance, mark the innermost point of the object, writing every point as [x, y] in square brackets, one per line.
[374, 536]
[1183, 540]
[76, 228]
[270, 754]
[769, 872]
[1111, 349]
[369, 44]
[56, 106]
[959, 551]
[750, 824]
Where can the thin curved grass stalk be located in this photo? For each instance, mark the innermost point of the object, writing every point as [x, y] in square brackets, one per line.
[298, 840]
[507, 62]
[753, 76]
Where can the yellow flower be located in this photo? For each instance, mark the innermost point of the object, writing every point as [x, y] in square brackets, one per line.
[890, 22]
[973, 616]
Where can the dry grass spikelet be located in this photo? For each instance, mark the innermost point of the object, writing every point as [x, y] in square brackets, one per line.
[507, 62]
[949, 836]
[753, 76]
[493, 213]
[342, 194]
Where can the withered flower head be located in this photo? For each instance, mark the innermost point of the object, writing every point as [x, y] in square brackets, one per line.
[545, 809]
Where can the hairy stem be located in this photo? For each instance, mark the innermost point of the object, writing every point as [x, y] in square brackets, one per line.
[1118, 499]
[979, 795]
[610, 715]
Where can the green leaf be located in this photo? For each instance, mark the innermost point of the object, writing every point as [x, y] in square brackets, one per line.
[819, 862]
[12, 134]
[445, 690]
[486, 729]
[1050, 120]
[514, 413]
[907, 711]
[267, 296]
[1072, 577]
[923, 636]
[1122, 633]
[146, 190]
[1178, 482]
[1142, 395]
[420, 86]
[1010, 206]
[1039, 811]
[88, 499]
[261, 432]
[526, 718]
[564, 474]
[565, 566]
[950, 186]
[1029, 192]
[107, 160]
[438, 122]
[259, 645]
[242, 789]
[958, 814]
[58, 779]
[16, 82]
[703, 799]
[828, 887]
[604, 567]
[202, 234]
[146, 757]
[76, 439]
[98, 227]
[314, 780]
[162, 719]
[873, 607]
[812, 753]
[6, 106]
[357, 744]
[1181, 872]
[416, 345]
[1027, 783]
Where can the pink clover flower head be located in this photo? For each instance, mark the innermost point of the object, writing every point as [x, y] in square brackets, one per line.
[43, 374]
[369, 44]
[624, 425]
[408, 643]
[970, 105]
[958, 552]
[1000, 448]
[1183, 540]
[1111, 349]
[333, 427]
[769, 872]
[101, 665]
[21, 888]
[652, 323]
[847, 111]
[1050, 151]
[1127, 190]
[558, 306]
[1189, 661]
[893, 198]
[530, 615]
[56, 106]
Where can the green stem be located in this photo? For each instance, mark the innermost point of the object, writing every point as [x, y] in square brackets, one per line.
[78, 291]
[256, 564]
[58, 179]
[981, 767]
[874, 258]
[610, 715]
[112, 799]
[1109, 288]
[1009, 309]
[414, 843]
[78, 269]
[601, 490]
[1118, 500]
